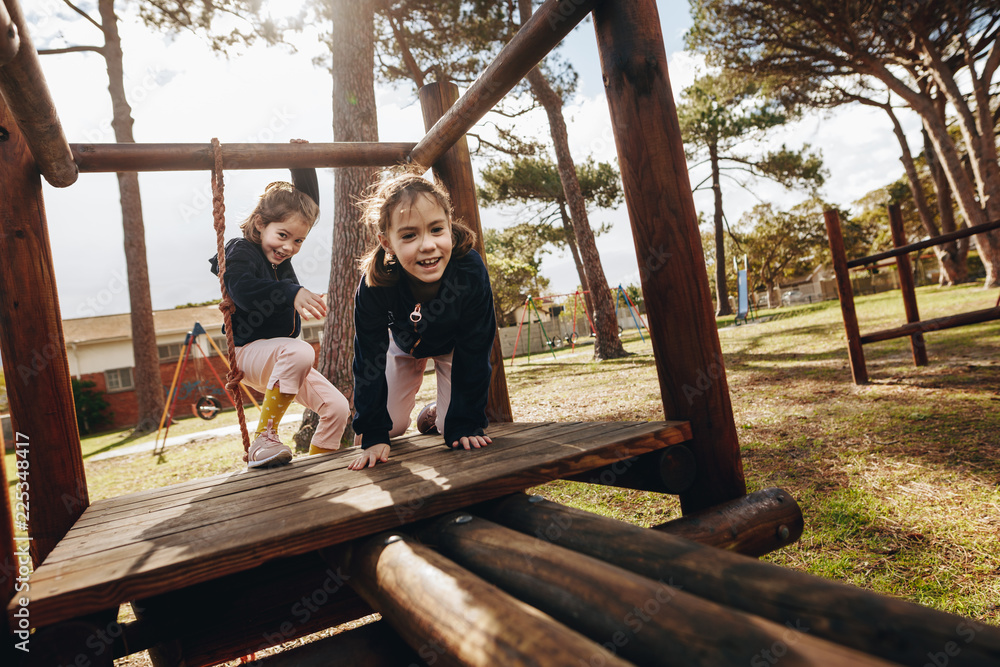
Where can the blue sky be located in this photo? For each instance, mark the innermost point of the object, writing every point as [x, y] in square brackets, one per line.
[181, 92]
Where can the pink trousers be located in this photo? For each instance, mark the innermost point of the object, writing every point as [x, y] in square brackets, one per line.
[403, 375]
[288, 363]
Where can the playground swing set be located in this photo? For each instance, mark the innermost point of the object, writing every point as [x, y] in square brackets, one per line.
[207, 405]
[463, 567]
[531, 312]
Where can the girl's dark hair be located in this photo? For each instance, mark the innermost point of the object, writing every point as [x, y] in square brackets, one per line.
[280, 199]
[377, 210]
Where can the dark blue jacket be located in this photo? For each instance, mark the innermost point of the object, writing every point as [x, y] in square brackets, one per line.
[459, 318]
[264, 295]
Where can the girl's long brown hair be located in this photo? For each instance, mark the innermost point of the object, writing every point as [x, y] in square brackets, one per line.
[377, 210]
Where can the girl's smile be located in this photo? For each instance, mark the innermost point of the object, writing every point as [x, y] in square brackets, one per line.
[420, 237]
[282, 239]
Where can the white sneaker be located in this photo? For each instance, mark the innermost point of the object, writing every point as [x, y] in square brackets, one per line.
[266, 450]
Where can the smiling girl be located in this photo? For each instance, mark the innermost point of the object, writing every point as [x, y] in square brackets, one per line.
[267, 321]
[425, 294]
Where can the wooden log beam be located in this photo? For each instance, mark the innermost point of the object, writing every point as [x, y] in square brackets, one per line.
[926, 243]
[876, 624]
[645, 621]
[935, 324]
[855, 353]
[671, 470]
[451, 617]
[23, 87]
[34, 349]
[552, 21]
[194, 157]
[689, 363]
[754, 525]
[372, 645]
[917, 346]
[10, 40]
[454, 170]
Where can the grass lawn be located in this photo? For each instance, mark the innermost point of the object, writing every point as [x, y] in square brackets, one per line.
[899, 480]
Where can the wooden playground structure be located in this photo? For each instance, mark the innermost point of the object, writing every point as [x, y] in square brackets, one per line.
[463, 567]
[914, 327]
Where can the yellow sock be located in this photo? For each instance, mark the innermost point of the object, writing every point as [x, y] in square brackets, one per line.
[313, 449]
[273, 408]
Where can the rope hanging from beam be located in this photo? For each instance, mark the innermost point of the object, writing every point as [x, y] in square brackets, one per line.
[227, 306]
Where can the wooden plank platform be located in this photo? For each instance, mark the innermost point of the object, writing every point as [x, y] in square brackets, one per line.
[152, 542]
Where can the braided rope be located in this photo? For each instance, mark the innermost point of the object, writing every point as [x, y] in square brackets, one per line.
[227, 306]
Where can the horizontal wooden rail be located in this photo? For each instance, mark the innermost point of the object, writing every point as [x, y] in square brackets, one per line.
[936, 324]
[193, 157]
[539, 35]
[927, 243]
[10, 40]
[22, 85]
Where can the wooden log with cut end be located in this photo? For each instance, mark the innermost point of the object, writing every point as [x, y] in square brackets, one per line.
[753, 525]
[876, 624]
[450, 616]
[646, 621]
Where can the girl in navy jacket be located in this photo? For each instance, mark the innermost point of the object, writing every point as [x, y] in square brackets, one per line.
[425, 294]
[270, 303]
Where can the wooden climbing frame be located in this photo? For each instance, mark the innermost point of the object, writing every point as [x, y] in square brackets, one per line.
[462, 566]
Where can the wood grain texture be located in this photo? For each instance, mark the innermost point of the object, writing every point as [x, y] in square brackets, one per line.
[452, 617]
[892, 629]
[207, 529]
[454, 171]
[34, 350]
[855, 352]
[757, 524]
[646, 621]
[23, 89]
[934, 324]
[195, 157]
[905, 270]
[552, 21]
[661, 209]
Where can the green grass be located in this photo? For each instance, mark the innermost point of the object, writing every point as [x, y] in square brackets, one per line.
[897, 479]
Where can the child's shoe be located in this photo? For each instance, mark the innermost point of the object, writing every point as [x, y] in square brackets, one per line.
[427, 418]
[266, 450]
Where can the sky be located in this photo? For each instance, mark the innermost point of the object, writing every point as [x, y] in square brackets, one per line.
[182, 92]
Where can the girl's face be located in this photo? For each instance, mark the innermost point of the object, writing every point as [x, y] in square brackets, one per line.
[419, 235]
[282, 239]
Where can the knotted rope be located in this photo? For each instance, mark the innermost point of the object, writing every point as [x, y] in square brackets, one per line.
[227, 306]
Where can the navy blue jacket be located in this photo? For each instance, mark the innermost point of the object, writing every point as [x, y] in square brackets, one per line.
[264, 295]
[459, 318]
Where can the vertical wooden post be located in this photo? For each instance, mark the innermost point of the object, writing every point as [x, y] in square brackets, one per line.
[454, 171]
[661, 208]
[33, 349]
[854, 349]
[917, 345]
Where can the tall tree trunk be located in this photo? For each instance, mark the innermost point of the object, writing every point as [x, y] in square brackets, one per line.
[952, 255]
[949, 270]
[975, 210]
[352, 49]
[607, 344]
[575, 251]
[146, 377]
[721, 293]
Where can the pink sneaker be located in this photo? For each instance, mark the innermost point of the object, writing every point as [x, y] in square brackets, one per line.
[266, 450]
